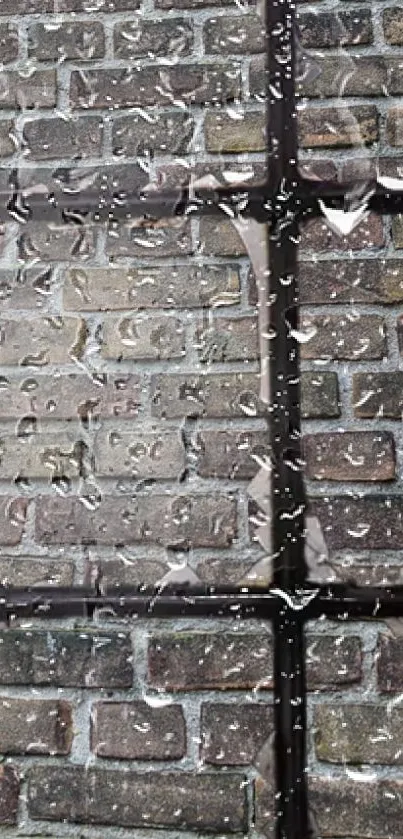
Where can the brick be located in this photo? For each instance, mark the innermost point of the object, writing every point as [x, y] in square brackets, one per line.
[79, 139]
[118, 572]
[188, 661]
[146, 455]
[70, 658]
[329, 29]
[145, 733]
[224, 134]
[8, 144]
[184, 800]
[62, 6]
[351, 281]
[233, 735]
[392, 21]
[389, 665]
[395, 76]
[149, 287]
[9, 790]
[192, 84]
[352, 808]
[230, 454]
[166, 133]
[221, 395]
[8, 43]
[66, 41]
[148, 338]
[35, 726]
[372, 522]
[24, 571]
[55, 242]
[37, 90]
[26, 7]
[350, 456]
[337, 127]
[35, 343]
[378, 394]
[237, 35]
[72, 396]
[12, 519]
[228, 339]
[166, 237]
[173, 521]
[394, 127]
[189, 4]
[146, 38]
[265, 806]
[344, 337]
[336, 728]
[346, 75]
[40, 455]
[397, 232]
[220, 237]
[317, 236]
[319, 395]
[399, 330]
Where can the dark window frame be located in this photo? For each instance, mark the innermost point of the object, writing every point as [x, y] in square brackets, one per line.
[290, 601]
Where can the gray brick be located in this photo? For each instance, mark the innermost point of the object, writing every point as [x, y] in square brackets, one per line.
[81, 41]
[170, 133]
[37, 90]
[146, 38]
[8, 43]
[226, 35]
[143, 338]
[120, 451]
[144, 733]
[48, 139]
[35, 343]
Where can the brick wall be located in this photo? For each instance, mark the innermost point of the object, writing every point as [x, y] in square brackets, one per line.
[131, 425]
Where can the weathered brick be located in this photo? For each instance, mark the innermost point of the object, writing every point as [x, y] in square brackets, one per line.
[224, 134]
[222, 395]
[372, 522]
[351, 281]
[72, 396]
[230, 454]
[145, 733]
[80, 138]
[142, 337]
[319, 395]
[394, 126]
[390, 664]
[35, 343]
[166, 133]
[231, 661]
[226, 35]
[317, 236]
[75, 658]
[192, 84]
[166, 237]
[35, 726]
[336, 728]
[233, 735]
[228, 339]
[8, 43]
[26, 7]
[62, 6]
[345, 337]
[25, 571]
[38, 90]
[40, 455]
[335, 29]
[189, 4]
[146, 455]
[8, 143]
[378, 394]
[55, 242]
[337, 127]
[66, 41]
[211, 803]
[395, 76]
[12, 519]
[118, 572]
[347, 75]
[350, 456]
[397, 232]
[173, 521]
[145, 38]
[345, 807]
[9, 790]
[149, 287]
[220, 237]
[392, 20]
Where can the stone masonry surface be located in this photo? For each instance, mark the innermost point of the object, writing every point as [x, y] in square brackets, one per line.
[131, 424]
